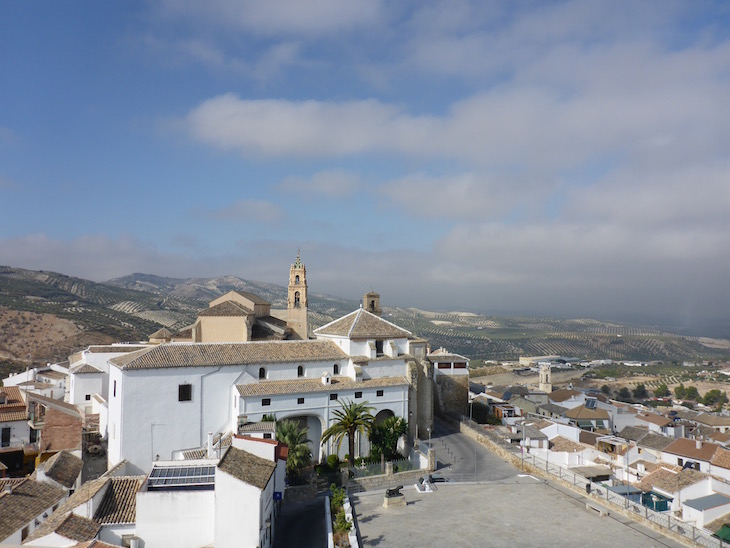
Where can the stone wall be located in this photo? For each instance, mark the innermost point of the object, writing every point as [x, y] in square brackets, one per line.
[453, 393]
[390, 479]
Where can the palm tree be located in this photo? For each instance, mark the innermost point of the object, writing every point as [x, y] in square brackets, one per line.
[300, 455]
[353, 417]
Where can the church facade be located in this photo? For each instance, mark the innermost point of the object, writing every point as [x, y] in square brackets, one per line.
[238, 363]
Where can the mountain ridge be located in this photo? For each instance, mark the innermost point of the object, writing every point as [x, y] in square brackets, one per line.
[130, 308]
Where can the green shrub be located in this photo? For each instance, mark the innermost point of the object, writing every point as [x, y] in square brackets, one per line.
[333, 462]
[341, 525]
[337, 498]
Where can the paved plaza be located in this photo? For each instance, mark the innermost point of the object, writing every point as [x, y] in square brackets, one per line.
[516, 511]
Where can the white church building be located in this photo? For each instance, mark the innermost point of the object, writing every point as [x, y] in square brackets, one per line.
[160, 400]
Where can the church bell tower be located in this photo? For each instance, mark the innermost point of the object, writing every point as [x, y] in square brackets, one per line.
[545, 382]
[296, 303]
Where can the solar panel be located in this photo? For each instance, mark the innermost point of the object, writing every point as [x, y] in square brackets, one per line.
[590, 403]
[181, 476]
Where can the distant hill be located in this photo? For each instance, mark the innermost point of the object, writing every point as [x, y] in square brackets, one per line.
[45, 316]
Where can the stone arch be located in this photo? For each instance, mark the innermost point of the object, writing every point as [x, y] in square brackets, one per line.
[314, 424]
[382, 415]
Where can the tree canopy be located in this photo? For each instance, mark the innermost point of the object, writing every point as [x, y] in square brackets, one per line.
[640, 392]
[384, 436]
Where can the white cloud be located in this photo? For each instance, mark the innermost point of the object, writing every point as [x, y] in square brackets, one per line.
[275, 17]
[466, 195]
[333, 183]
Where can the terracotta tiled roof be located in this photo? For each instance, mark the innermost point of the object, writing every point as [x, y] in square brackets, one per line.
[670, 481]
[251, 297]
[13, 396]
[82, 495]
[553, 408]
[263, 426]
[28, 500]
[710, 419]
[78, 528]
[60, 405]
[202, 354]
[162, 333]
[226, 308]
[64, 468]
[119, 504]
[362, 324]
[721, 458]
[246, 467]
[559, 443]
[655, 441]
[633, 433]
[563, 394]
[443, 355]
[84, 369]
[17, 415]
[688, 448]
[301, 386]
[109, 349]
[583, 413]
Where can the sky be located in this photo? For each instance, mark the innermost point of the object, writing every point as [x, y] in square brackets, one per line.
[565, 159]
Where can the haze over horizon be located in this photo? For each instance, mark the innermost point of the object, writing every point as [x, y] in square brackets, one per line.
[549, 158]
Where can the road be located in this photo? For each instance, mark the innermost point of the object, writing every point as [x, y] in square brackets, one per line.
[457, 455]
[301, 524]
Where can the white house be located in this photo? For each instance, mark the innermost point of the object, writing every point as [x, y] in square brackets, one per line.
[202, 502]
[244, 491]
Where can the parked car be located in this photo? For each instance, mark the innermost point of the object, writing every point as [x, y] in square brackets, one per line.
[437, 478]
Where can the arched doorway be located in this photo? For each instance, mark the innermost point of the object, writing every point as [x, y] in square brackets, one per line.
[313, 425]
[382, 415]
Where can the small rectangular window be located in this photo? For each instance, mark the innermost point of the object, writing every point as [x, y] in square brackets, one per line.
[266, 401]
[267, 436]
[358, 395]
[333, 397]
[114, 393]
[300, 401]
[184, 392]
[87, 397]
[379, 393]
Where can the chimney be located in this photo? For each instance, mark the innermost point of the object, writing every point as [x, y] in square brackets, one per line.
[210, 445]
[698, 444]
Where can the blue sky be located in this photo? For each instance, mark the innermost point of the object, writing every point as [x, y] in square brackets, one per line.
[557, 158]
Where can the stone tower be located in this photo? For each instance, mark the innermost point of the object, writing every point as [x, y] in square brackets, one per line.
[296, 303]
[371, 303]
[545, 382]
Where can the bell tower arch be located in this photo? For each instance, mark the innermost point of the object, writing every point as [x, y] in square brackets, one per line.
[296, 303]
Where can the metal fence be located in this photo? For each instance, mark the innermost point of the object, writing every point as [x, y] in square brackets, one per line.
[367, 470]
[599, 492]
